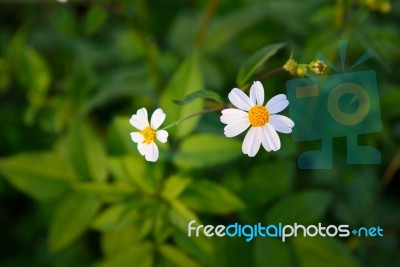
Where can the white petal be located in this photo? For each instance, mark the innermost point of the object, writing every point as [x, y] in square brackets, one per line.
[157, 118]
[231, 115]
[237, 127]
[142, 114]
[137, 137]
[281, 123]
[252, 141]
[277, 103]
[151, 152]
[240, 100]
[162, 136]
[270, 138]
[257, 93]
[142, 148]
[140, 120]
[136, 122]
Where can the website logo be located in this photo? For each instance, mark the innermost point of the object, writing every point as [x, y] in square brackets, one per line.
[249, 232]
[344, 104]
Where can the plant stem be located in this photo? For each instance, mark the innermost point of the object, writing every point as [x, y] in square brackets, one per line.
[209, 13]
[265, 76]
[193, 115]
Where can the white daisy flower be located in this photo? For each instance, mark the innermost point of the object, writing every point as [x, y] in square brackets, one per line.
[148, 132]
[263, 120]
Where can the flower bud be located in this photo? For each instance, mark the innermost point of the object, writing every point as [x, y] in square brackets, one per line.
[318, 67]
[291, 66]
[301, 70]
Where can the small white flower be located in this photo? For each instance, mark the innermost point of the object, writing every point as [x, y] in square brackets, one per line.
[148, 132]
[263, 120]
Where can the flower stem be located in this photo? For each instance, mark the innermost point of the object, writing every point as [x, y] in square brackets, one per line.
[209, 13]
[265, 76]
[193, 115]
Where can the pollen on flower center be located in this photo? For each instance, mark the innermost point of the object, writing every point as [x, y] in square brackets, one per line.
[258, 116]
[148, 134]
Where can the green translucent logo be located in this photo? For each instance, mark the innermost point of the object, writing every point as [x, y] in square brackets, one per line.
[344, 104]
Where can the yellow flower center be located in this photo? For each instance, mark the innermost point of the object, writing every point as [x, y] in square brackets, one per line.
[258, 116]
[148, 134]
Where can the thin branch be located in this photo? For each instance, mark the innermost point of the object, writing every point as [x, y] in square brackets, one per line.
[391, 170]
[205, 22]
[265, 76]
[193, 115]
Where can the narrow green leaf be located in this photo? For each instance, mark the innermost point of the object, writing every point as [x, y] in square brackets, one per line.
[200, 247]
[255, 61]
[227, 28]
[116, 240]
[180, 215]
[43, 176]
[303, 208]
[135, 255]
[95, 18]
[206, 150]
[187, 79]
[319, 251]
[87, 153]
[119, 140]
[114, 217]
[162, 229]
[106, 192]
[177, 257]
[209, 197]
[133, 170]
[174, 186]
[71, 218]
[207, 94]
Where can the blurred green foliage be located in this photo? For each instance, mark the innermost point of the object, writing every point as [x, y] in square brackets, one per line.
[71, 75]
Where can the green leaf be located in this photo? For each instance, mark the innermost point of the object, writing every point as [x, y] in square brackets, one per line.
[186, 80]
[177, 257]
[206, 150]
[200, 247]
[180, 215]
[5, 75]
[43, 176]
[207, 94]
[319, 251]
[116, 240]
[34, 75]
[87, 153]
[120, 84]
[302, 208]
[137, 255]
[109, 192]
[72, 217]
[268, 181]
[137, 212]
[255, 61]
[174, 186]
[110, 218]
[133, 170]
[162, 227]
[119, 140]
[390, 104]
[95, 18]
[209, 197]
[227, 28]
[273, 252]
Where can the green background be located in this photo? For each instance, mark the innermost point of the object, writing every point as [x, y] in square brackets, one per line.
[74, 190]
